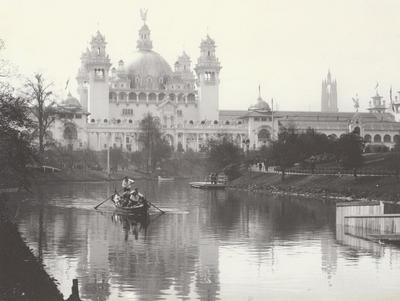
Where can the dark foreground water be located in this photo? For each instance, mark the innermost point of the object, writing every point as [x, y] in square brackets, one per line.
[210, 245]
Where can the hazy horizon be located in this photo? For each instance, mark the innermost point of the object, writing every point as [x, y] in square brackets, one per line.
[285, 46]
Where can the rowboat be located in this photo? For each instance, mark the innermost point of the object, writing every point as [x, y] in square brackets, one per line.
[161, 179]
[141, 208]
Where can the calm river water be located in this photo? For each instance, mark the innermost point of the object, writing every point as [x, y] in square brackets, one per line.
[210, 245]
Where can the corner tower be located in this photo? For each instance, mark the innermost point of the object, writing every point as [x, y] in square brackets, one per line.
[207, 70]
[329, 95]
[95, 65]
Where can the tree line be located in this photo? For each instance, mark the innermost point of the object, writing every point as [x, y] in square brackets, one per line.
[293, 147]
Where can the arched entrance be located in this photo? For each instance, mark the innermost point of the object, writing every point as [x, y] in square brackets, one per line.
[263, 136]
[356, 130]
[70, 134]
[169, 139]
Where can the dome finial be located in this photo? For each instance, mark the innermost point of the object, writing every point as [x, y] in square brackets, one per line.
[144, 42]
[259, 91]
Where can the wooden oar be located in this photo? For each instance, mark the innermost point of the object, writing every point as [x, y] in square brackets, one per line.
[106, 199]
[162, 211]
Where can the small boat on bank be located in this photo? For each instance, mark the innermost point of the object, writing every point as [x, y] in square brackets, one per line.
[139, 207]
[213, 181]
[207, 185]
[164, 179]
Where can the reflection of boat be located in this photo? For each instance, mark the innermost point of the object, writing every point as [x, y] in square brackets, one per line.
[162, 179]
[131, 223]
[140, 207]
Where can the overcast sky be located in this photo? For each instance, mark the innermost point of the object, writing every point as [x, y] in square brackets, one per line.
[286, 46]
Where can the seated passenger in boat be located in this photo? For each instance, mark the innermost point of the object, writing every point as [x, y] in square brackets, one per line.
[134, 198]
[122, 201]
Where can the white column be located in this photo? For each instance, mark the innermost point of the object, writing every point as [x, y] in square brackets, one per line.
[183, 141]
[111, 139]
[98, 141]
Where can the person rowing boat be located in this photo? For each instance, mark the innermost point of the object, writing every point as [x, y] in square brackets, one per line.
[127, 183]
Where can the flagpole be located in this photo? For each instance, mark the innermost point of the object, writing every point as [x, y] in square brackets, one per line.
[272, 117]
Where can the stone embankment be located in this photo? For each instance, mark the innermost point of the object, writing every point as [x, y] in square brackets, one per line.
[340, 188]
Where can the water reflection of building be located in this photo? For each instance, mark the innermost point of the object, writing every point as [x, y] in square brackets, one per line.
[329, 256]
[283, 218]
[180, 253]
[357, 245]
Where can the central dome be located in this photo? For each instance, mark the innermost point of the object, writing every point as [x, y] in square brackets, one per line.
[148, 63]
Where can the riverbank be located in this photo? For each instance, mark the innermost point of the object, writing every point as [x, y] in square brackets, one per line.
[22, 276]
[331, 186]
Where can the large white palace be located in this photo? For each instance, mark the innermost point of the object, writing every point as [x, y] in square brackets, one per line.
[113, 101]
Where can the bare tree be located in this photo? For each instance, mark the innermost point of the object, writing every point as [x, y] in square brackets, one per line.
[7, 71]
[3, 62]
[40, 96]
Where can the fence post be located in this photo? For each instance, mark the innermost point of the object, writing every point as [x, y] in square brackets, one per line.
[74, 291]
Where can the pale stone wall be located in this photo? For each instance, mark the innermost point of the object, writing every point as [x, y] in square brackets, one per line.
[98, 98]
[58, 127]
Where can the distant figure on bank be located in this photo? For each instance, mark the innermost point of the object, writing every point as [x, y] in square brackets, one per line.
[260, 166]
[126, 184]
[213, 178]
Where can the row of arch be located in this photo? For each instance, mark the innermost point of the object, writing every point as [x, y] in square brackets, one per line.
[161, 83]
[191, 122]
[151, 97]
[378, 138]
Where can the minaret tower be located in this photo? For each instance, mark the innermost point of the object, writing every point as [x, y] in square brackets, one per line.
[94, 70]
[207, 70]
[395, 106]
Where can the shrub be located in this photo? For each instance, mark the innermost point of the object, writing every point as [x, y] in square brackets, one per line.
[376, 148]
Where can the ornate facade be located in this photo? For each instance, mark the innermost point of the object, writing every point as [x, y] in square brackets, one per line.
[114, 99]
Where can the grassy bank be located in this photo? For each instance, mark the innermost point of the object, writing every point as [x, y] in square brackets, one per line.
[378, 188]
[22, 276]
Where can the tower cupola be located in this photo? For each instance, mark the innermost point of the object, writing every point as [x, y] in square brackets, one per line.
[377, 105]
[144, 42]
[98, 45]
[183, 63]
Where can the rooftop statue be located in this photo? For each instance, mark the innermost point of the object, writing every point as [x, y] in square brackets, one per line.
[143, 14]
